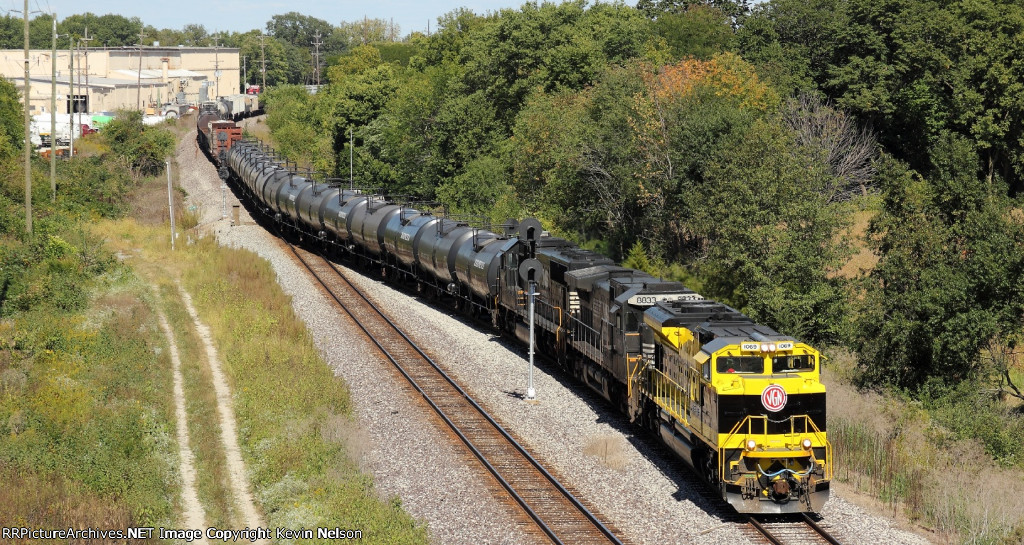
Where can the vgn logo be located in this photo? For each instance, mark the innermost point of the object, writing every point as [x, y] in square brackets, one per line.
[774, 398]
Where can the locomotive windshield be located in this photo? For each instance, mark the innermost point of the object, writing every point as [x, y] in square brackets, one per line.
[740, 364]
[792, 364]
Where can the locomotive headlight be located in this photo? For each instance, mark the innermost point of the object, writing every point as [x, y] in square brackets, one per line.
[751, 444]
[807, 444]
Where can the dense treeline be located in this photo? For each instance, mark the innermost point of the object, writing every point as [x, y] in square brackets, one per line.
[730, 146]
[287, 46]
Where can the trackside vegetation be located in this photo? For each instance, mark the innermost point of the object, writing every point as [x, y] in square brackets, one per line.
[87, 426]
[294, 415]
[86, 429]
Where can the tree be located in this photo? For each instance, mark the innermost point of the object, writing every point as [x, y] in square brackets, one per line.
[272, 50]
[947, 282]
[142, 149]
[297, 29]
[771, 233]
[12, 32]
[736, 10]
[108, 30]
[699, 31]
[368, 32]
[913, 70]
[194, 35]
[12, 124]
[833, 135]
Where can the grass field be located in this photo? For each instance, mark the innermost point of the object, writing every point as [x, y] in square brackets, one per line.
[292, 411]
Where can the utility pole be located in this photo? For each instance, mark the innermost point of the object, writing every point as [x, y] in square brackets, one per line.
[351, 147]
[263, 56]
[28, 139]
[316, 58]
[170, 200]
[71, 88]
[138, 93]
[53, 112]
[216, 65]
[87, 39]
[245, 76]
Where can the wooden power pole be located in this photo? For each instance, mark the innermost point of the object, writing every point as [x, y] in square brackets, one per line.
[53, 112]
[28, 138]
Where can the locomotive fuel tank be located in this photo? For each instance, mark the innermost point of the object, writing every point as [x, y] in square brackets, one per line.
[368, 223]
[436, 249]
[403, 232]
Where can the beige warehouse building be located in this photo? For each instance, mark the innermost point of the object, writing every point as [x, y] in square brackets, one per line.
[128, 77]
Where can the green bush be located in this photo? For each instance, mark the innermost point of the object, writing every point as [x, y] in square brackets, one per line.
[140, 148]
[972, 413]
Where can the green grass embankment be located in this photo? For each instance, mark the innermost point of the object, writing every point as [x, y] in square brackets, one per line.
[86, 429]
[291, 409]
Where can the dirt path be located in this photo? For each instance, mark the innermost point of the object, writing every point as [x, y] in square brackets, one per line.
[239, 482]
[192, 511]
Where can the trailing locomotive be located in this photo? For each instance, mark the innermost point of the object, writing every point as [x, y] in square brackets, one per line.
[740, 403]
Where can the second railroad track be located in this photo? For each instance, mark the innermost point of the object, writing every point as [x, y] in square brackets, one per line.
[557, 514]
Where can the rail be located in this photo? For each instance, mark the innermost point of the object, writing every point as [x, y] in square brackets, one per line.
[791, 532]
[442, 408]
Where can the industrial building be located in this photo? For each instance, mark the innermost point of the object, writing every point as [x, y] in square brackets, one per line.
[108, 79]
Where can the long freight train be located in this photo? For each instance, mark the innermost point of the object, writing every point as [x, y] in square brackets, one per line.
[742, 404]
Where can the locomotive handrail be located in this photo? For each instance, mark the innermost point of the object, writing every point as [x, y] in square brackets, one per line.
[589, 335]
[667, 393]
[747, 421]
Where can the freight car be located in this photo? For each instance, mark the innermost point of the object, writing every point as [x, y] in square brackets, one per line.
[740, 403]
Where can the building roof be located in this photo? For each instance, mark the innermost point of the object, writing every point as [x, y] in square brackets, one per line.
[150, 73]
[95, 82]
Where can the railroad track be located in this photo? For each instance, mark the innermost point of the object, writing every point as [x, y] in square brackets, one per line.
[557, 515]
[791, 531]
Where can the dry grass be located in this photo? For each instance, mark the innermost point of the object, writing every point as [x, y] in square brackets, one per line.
[304, 453]
[257, 127]
[28, 499]
[345, 431]
[148, 201]
[201, 406]
[608, 449]
[893, 451]
[863, 259]
[90, 146]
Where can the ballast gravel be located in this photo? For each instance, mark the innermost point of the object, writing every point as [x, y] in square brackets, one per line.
[646, 494]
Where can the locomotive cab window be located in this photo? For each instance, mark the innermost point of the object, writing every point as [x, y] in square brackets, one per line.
[740, 364]
[792, 364]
